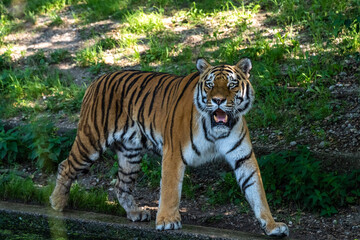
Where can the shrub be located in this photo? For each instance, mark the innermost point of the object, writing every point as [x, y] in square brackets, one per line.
[36, 141]
[295, 176]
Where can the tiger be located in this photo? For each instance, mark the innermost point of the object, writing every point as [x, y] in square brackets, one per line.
[189, 120]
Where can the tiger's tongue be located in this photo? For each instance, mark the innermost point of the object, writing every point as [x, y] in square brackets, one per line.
[220, 116]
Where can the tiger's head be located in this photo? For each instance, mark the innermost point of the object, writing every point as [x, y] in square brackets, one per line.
[224, 93]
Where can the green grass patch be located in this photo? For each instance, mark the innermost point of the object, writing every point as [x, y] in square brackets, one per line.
[16, 188]
[141, 22]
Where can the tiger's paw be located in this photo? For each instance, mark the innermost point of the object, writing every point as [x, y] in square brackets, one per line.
[58, 201]
[168, 223]
[139, 216]
[168, 226]
[279, 229]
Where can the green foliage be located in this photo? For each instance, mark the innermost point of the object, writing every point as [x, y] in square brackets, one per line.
[44, 6]
[37, 142]
[295, 176]
[36, 89]
[90, 56]
[99, 10]
[56, 20]
[60, 55]
[225, 190]
[141, 22]
[160, 49]
[151, 168]
[14, 187]
[94, 200]
[8, 145]
[5, 60]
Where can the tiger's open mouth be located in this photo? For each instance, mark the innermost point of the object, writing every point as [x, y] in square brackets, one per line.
[219, 117]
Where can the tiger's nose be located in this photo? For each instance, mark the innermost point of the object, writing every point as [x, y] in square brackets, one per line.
[218, 101]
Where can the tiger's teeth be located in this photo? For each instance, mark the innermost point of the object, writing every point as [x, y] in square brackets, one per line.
[226, 119]
[216, 119]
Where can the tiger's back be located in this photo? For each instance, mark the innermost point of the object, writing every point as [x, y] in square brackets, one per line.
[120, 106]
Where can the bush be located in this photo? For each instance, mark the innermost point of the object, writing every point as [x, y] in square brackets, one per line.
[36, 141]
[295, 176]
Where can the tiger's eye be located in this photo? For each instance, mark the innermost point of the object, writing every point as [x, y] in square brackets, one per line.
[209, 84]
[232, 85]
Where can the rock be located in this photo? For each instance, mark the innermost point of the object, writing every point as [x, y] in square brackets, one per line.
[342, 74]
[322, 144]
[331, 87]
[293, 143]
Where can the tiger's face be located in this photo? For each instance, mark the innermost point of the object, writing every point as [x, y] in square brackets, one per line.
[224, 93]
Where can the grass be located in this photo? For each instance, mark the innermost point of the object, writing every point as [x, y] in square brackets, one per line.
[13, 187]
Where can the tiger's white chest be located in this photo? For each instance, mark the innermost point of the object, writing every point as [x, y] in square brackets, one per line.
[206, 147]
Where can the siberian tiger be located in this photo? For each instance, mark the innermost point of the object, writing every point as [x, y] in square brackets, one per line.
[188, 120]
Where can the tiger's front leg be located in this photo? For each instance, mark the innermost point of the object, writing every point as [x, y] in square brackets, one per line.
[172, 173]
[248, 176]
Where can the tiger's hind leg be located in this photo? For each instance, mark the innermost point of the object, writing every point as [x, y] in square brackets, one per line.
[129, 166]
[79, 160]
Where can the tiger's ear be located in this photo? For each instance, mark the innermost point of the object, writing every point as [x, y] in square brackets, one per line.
[245, 66]
[202, 65]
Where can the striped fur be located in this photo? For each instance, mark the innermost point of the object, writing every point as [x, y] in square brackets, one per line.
[188, 120]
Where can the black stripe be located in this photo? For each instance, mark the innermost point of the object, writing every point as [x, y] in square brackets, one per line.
[90, 137]
[133, 155]
[199, 98]
[143, 85]
[135, 162]
[228, 70]
[118, 105]
[247, 90]
[132, 136]
[238, 143]
[224, 135]
[159, 85]
[125, 128]
[119, 80]
[71, 166]
[193, 146]
[240, 161]
[166, 89]
[243, 185]
[83, 154]
[128, 174]
[141, 109]
[152, 135]
[130, 101]
[119, 144]
[126, 182]
[194, 76]
[132, 84]
[205, 131]
[105, 88]
[249, 185]
[123, 190]
[182, 156]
